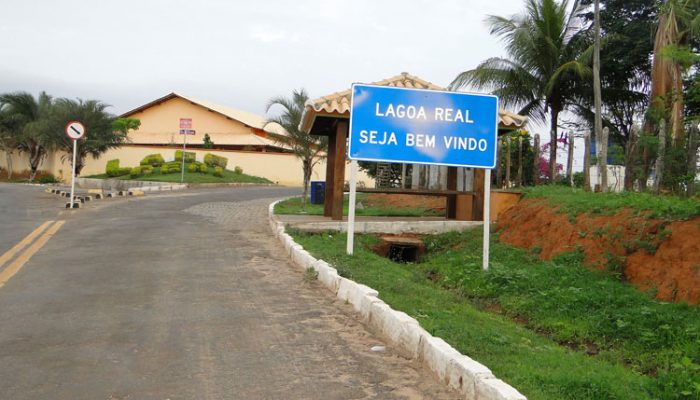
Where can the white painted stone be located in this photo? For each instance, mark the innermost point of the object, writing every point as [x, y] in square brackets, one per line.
[463, 373]
[328, 275]
[496, 389]
[437, 354]
[346, 289]
[294, 247]
[358, 294]
[303, 259]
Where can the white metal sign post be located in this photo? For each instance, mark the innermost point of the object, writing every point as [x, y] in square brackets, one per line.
[418, 126]
[185, 129]
[75, 131]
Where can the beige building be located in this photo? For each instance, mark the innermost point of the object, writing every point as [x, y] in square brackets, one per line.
[240, 136]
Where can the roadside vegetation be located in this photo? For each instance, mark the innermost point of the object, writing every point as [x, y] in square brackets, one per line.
[552, 329]
[577, 201]
[297, 206]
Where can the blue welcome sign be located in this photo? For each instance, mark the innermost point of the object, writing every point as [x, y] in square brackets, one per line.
[423, 126]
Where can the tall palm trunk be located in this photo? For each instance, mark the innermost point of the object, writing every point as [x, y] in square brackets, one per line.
[554, 115]
[307, 166]
[36, 156]
[597, 101]
[8, 157]
[666, 78]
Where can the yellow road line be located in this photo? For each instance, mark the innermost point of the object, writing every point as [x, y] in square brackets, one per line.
[23, 243]
[19, 262]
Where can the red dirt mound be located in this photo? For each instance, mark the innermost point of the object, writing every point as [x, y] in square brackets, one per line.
[652, 254]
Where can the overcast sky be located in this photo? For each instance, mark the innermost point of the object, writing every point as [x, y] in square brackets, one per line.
[236, 53]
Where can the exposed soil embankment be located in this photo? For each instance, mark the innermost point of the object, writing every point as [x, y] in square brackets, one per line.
[652, 254]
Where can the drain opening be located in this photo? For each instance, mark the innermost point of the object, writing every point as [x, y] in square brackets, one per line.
[403, 253]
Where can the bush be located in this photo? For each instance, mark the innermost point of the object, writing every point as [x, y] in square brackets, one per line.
[171, 167]
[218, 171]
[192, 167]
[112, 169]
[154, 160]
[204, 168]
[213, 160]
[190, 157]
[238, 170]
[48, 179]
[141, 171]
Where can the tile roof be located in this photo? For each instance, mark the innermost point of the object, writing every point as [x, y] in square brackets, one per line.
[338, 104]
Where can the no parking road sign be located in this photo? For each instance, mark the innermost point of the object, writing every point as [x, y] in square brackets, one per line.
[75, 130]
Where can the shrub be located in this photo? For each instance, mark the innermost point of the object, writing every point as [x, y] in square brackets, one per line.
[192, 167]
[141, 171]
[170, 167]
[112, 169]
[203, 168]
[218, 171]
[154, 160]
[190, 157]
[48, 179]
[213, 160]
[238, 170]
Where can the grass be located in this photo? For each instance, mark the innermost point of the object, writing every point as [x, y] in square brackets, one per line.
[294, 206]
[554, 330]
[576, 201]
[192, 177]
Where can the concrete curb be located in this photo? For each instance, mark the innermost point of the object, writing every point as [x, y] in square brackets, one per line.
[472, 379]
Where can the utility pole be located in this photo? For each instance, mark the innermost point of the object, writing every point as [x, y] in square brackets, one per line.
[597, 101]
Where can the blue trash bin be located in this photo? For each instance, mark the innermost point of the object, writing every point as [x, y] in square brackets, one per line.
[318, 192]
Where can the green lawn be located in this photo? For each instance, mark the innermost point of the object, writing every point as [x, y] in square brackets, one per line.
[192, 177]
[294, 206]
[577, 201]
[554, 330]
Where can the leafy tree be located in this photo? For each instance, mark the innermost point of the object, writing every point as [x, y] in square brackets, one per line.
[309, 149]
[9, 136]
[35, 128]
[545, 58]
[206, 142]
[104, 132]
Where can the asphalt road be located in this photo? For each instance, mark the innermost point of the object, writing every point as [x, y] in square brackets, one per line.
[181, 295]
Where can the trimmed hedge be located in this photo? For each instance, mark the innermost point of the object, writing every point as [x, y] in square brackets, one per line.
[238, 170]
[190, 157]
[171, 167]
[218, 171]
[154, 160]
[192, 167]
[213, 160]
[141, 171]
[112, 169]
[204, 168]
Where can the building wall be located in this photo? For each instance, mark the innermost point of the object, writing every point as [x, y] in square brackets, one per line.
[161, 124]
[284, 169]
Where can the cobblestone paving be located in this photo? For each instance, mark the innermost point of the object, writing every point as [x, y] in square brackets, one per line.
[319, 339]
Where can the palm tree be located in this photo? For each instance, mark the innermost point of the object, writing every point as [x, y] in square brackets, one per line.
[9, 136]
[545, 58]
[309, 149]
[678, 21]
[103, 131]
[35, 130]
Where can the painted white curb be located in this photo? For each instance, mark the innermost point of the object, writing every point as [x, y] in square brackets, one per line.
[472, 379]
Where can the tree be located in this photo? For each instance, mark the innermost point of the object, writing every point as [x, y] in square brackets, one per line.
[206, 142]
[545, 58]
[309, 149]
[35, 127]
[597, 102]
[9, 136]
[103, 131]
[679, 21]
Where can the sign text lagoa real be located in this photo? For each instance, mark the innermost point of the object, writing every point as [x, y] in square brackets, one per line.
[423, 126]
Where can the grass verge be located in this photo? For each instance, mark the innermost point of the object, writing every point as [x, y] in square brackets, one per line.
[553, 330]
[577, 201]
[191, 177]
[294, 206]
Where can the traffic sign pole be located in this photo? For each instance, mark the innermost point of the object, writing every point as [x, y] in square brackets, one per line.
[487, 218]
[184, 147]
[72, 181]
[351, 208]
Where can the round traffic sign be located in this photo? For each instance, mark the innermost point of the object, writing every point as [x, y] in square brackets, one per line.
[75, 130]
